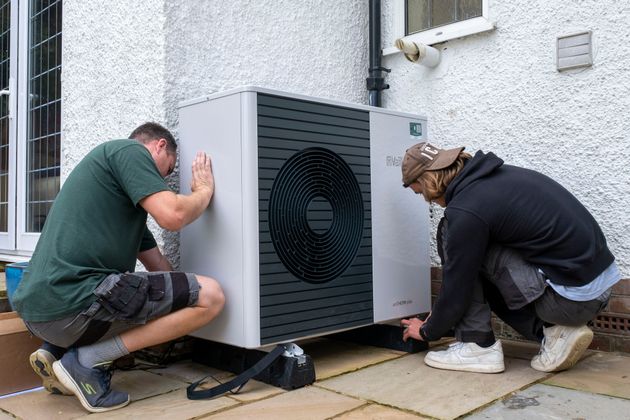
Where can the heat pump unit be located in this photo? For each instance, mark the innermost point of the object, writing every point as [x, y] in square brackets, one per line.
[310, 231]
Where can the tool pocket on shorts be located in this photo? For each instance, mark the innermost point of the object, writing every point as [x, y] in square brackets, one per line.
[157, 287]
[519, 285]
[125, 297]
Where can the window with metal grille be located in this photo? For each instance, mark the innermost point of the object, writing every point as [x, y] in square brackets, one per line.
[44, 111]
[426, 14]
[430, 22]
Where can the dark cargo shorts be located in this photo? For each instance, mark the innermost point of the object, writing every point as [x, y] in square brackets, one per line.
[124, 301]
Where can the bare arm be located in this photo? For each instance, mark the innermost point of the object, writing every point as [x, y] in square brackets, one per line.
[174, 211]
[153, 260]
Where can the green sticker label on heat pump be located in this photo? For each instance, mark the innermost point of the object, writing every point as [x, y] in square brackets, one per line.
[415, 129]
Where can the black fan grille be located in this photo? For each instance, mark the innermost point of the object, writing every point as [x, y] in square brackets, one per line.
[316, 215]
[312, 230]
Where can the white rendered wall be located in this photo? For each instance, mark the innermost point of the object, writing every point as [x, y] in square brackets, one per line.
[311, 47]
[127, 62]
[500, 91]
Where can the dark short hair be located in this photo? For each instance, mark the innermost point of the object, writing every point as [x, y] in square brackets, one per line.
[150, 131]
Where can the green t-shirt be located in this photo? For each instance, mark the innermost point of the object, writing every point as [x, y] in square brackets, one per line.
[95, 228]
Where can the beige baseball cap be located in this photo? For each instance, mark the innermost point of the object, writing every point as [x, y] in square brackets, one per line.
[426, 157]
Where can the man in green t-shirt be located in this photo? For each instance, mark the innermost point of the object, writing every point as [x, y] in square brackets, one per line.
[80, 292]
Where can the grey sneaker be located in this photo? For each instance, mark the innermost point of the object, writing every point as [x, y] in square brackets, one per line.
[41, 361]
[90, 385]
[468, 357]
[562, 347]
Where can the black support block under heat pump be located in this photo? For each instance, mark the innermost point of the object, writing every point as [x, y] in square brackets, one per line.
[285, 372]
[387, 336]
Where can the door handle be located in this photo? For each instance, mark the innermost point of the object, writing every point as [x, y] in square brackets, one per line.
[7, 92]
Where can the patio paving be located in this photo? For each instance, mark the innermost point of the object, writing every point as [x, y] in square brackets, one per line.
[363, 382]
[547, 402]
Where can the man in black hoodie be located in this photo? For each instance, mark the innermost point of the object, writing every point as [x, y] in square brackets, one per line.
[515, 242]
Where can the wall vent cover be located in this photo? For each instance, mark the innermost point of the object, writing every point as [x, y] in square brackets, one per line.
[573, 51]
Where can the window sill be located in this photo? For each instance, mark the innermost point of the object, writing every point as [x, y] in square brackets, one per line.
[447, 32]
[15, 257]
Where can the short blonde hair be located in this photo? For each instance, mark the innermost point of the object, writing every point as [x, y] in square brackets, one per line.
[434, 183]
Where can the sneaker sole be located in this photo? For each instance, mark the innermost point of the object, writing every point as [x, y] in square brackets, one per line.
[65, 378]
[574, 353]
[465, 368]
[41, 361]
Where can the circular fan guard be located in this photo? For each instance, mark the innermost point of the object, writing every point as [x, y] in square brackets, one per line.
[312, 179]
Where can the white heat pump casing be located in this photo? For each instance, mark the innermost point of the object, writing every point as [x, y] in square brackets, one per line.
[224, 242]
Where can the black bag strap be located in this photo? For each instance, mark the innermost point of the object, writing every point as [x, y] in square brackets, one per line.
[237, 382]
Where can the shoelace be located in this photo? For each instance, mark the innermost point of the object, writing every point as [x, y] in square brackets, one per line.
[543, 354]
[106, 377]
[543, 351]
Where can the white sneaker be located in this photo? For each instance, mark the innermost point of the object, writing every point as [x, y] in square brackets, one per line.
[562, 347]
[468, 357]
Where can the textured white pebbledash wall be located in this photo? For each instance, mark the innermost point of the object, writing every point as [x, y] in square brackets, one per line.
[127, 62]
[500, 91]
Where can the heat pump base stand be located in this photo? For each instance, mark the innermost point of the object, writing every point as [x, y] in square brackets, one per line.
[290, 371]
[382, 335]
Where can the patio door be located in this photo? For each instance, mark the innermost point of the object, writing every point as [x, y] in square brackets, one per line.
[30, 126]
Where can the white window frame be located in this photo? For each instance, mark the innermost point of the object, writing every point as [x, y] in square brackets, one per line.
[7, 239]
[440, 33]
[25, 241]
[18, 243]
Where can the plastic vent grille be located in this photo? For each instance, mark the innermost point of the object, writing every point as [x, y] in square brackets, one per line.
[573, 51]
[612, 324]
[316, 215]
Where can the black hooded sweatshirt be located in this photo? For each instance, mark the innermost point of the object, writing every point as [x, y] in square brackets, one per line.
[492, 203]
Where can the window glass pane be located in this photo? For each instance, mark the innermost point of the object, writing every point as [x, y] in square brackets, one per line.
[426, 14]
[417, 16]
[44, 111]
[442, 12]
[468, 9]
[5, 27]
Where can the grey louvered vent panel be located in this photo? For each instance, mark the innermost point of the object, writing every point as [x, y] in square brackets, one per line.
[303, 149]
[574, 51]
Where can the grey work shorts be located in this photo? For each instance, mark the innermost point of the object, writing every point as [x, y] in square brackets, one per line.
[149, 295]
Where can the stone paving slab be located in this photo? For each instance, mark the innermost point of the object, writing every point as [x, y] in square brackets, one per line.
[601, 373]
[301, 404]
[255, 390]
[333, 357]
[4, 416]
[188, 371]
[42, 405]
[379, 412]
[409, 384]
[548, 402]
[140, 384]
[173, 405]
